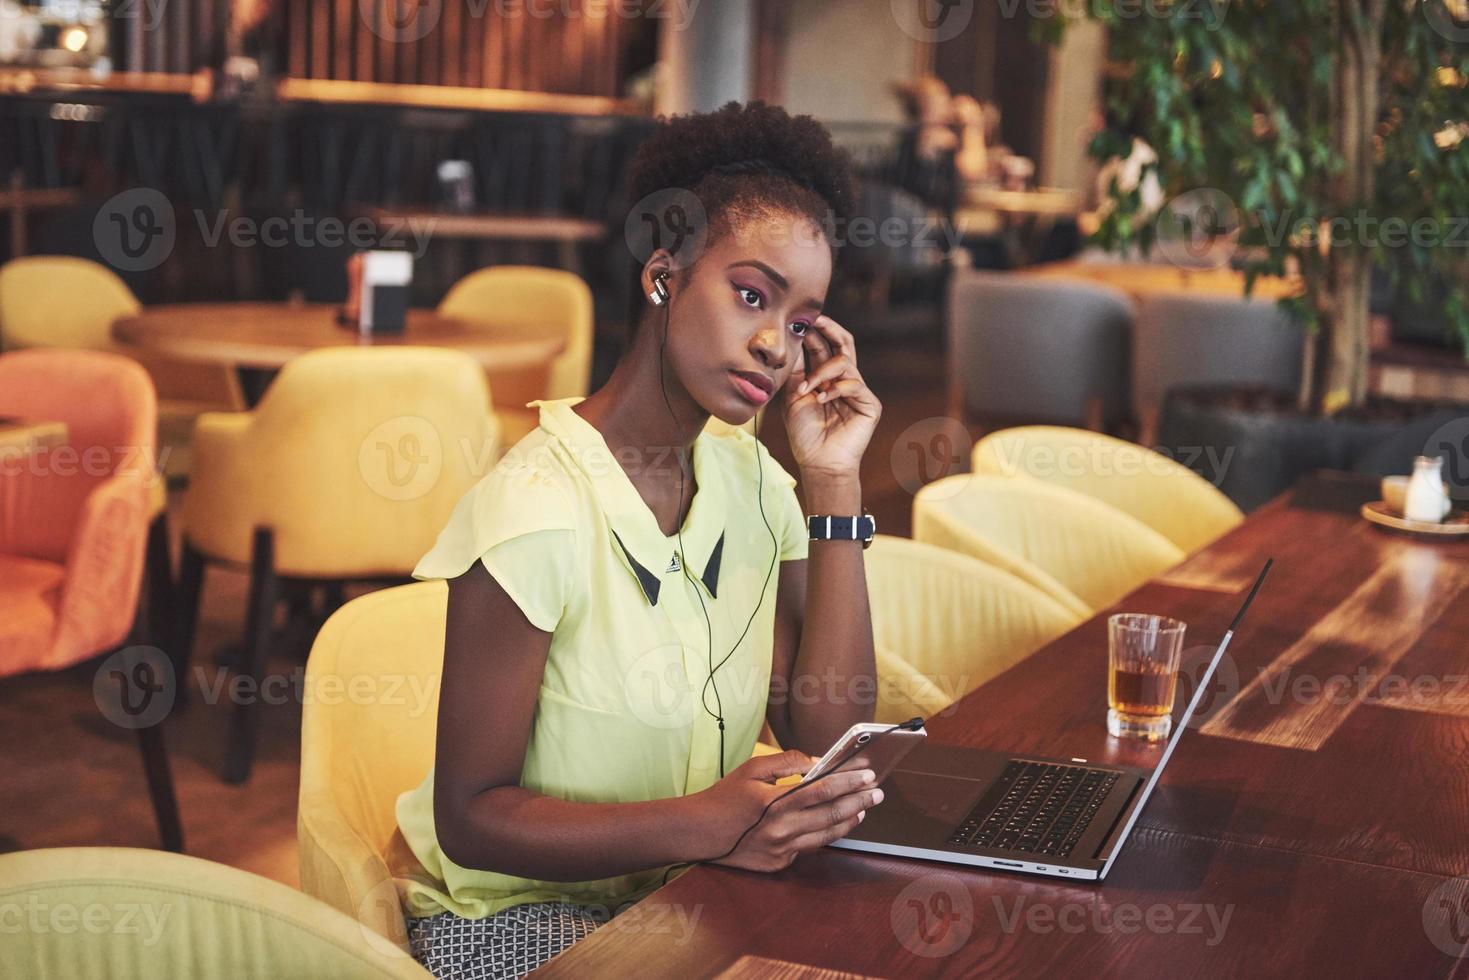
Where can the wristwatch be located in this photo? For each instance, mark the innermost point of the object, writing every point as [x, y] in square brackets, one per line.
[828, 527]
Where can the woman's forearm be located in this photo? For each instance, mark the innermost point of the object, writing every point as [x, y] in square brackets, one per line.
[516, 831]
[833, 684]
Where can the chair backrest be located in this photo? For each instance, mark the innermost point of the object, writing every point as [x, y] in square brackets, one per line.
[1038, 349]
[1083, 547]
[63, 301]
[355, 458]
[359, 752]
[552, 299]
[135, 914]
[955, 620]
[1188, 339]
[110, 412]
[60, 301]
[1165, 495]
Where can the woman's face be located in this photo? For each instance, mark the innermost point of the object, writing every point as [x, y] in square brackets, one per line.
[738, 316]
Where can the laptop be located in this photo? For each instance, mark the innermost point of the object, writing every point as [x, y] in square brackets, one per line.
[1063, 818]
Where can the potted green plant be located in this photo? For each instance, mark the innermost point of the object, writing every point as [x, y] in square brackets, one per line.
[1316, 139]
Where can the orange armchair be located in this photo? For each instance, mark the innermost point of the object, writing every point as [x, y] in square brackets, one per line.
[74, 523]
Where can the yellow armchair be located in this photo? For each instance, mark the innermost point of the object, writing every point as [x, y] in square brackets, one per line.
[64, 301]
[1081, 552]
[944, 623]
[135, 914]
[359, 755]
[553, 300]
[346, 471]
[1168, 497]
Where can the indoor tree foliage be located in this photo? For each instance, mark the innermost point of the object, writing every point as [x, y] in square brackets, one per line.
[1318, 119]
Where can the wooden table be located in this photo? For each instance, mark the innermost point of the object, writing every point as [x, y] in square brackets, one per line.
[1296, 834]
[259, 338]
[1141, 279]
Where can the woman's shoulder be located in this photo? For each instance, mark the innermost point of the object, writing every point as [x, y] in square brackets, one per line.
[525, 493]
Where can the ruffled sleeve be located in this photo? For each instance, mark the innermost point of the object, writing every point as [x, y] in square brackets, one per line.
[518, 522]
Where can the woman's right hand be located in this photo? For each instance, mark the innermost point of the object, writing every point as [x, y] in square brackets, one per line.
[810, 817]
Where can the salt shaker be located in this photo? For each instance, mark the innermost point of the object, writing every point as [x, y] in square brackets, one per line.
[1427, 499]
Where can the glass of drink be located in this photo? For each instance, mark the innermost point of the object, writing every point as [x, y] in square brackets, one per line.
[1143, 654]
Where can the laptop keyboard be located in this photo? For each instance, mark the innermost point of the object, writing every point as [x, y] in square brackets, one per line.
[1038, 807]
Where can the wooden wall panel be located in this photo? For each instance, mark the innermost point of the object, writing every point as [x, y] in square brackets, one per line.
[572, 47]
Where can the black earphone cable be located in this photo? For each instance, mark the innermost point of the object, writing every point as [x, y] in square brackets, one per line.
[718, 713]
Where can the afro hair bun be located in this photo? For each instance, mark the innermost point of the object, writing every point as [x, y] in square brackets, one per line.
[698, 151]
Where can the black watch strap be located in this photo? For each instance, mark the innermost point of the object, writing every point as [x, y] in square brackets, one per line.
[829, 527]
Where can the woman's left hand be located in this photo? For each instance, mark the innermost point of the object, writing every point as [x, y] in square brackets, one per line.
[830, 413]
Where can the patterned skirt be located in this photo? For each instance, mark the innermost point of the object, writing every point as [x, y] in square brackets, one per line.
[510, 943]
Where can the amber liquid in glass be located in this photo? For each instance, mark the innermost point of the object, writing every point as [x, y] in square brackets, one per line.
[1142, 689]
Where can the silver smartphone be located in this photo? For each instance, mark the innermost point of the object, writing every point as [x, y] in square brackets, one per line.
[868, 745]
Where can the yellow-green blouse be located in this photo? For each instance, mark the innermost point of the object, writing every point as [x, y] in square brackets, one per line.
[562, 529]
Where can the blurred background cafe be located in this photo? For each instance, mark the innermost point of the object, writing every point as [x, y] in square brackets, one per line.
[266, 263]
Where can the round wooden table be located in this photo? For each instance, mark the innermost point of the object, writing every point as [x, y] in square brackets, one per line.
[258, 339]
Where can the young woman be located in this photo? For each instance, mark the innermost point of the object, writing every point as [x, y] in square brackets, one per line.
[632, 593]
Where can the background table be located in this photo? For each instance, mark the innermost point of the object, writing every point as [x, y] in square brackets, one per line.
[26, 436]
[259, 338]
[1139, 279]
[1296, 833]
